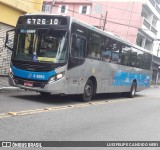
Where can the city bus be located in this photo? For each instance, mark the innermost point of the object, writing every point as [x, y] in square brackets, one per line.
[56, 54]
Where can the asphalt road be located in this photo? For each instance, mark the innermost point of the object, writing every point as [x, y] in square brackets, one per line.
[28, 116]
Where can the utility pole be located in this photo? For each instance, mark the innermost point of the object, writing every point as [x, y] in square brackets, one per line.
[105, 20]
[100, 26]
[130, 19]
[53, 1]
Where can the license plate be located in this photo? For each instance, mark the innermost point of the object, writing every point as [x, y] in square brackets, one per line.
[28, 84]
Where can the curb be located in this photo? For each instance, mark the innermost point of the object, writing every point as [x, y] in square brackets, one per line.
[155, 86]
[10, 88]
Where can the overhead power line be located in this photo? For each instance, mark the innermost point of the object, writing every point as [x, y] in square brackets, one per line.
[99, 18]
[122, 9]
[94, 3]
[103, 19]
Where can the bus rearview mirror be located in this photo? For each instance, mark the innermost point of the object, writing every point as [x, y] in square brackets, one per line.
[9, 39]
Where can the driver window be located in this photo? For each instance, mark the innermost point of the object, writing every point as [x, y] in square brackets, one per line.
[78, 46]
[49, 46]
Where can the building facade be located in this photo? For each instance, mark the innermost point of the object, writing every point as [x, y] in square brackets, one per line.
[10, 11]
[134, 20]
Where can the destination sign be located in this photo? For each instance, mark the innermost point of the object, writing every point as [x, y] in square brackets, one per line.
[42, 20]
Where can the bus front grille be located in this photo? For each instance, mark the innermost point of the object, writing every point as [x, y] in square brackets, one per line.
[30, 83]
[31, 66]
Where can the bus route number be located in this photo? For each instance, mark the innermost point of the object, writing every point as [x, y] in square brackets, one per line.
[42, 21]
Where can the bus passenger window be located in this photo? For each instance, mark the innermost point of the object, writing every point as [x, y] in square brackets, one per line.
[111, 50]
[106, 56]
[94, 47]
[125, 55]
[133, 57]
[115, 57]
[78, 46]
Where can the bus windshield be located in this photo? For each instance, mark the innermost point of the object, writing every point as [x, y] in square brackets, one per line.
[42, 45]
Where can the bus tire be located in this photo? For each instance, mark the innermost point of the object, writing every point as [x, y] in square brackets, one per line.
[132, 92]
[88, 91]
[44, 94]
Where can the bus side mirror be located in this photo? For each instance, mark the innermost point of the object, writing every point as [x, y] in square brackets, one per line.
[9, 39]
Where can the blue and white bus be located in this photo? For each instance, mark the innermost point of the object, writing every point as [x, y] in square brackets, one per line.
[55, 54]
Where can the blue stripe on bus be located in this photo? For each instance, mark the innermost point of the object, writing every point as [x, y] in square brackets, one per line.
[125, 79]
[32, 75]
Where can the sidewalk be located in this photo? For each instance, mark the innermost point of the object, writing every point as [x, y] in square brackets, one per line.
[4, 85]
[155, 86]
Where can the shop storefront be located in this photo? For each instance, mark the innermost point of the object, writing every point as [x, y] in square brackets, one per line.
[4, 53]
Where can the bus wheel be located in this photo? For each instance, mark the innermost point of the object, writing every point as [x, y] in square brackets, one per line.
[45, 94]
[88, 91]
[132, 92]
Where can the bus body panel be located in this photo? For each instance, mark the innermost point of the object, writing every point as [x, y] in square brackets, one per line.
[56, 87]
[111, 78]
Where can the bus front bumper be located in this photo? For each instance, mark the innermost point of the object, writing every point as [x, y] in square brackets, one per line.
[57, 87]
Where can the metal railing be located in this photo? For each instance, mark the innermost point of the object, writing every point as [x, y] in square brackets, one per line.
[150, 27]
[155, 5]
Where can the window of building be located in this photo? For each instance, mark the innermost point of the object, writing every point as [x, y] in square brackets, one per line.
[154, 22]
[139, 40]
[62, 9]
[46, 8]
[84, 9]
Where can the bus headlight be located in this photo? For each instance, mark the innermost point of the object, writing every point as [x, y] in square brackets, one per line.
[56, 77]
[10, 70]
[59, 76]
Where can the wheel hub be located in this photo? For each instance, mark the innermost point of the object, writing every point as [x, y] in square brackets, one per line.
[88, 90]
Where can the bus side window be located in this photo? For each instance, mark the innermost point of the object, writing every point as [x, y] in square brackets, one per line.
[106, 56]
[106, 50]
[78, 46]
[115, 53]
[94, 46]
[125, 55]
[111, 51]
[133, 57]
